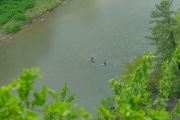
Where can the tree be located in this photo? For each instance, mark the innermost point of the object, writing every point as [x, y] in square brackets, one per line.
[163, 35]
[132, 96]
[162, 32]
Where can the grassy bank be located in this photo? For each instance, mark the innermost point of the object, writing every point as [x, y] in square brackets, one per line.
[15, 14]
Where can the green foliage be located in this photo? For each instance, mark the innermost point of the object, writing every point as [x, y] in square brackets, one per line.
[108, 102]
[14, 10]
[40, 97]
[175, 113]
[64, 92]
[133, 96]
[21, 107]
[176, 27]
[7, 99]
[163, 32]
[129, 67]
[61, 110]
[25, 82]
[17, 107]
[14, 28]
[165, 84]
[51, 113]
[131, 99]
[165, 37]
[15, 13]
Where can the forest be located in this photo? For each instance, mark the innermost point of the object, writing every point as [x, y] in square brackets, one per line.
[133, 93]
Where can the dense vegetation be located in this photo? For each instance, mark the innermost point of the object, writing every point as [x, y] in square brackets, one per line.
[15, 13]
[14, 10]
[132, 92]
[165, 37]
[24, 106]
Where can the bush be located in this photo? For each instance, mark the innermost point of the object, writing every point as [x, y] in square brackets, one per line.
[14, 28]
[14, 10]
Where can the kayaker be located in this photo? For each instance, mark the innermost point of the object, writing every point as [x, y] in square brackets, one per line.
[92, 59]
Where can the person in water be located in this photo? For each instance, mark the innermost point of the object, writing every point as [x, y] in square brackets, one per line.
[105, 63]
[92, 59]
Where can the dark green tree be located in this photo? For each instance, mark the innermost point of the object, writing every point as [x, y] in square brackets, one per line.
[162, 31]
[164, 36]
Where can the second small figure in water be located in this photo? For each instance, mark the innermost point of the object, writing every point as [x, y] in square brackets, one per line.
[104, 63]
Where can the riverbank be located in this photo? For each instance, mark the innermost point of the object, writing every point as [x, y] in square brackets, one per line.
[40, 8]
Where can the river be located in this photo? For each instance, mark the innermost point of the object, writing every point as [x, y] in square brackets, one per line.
[108, 30]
